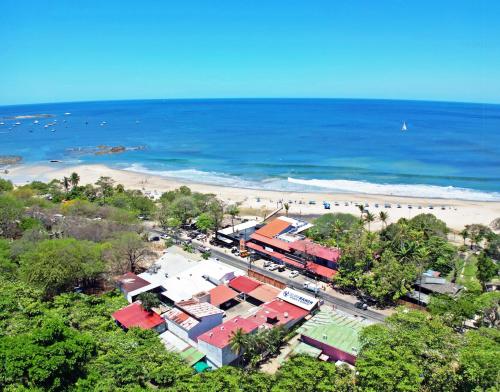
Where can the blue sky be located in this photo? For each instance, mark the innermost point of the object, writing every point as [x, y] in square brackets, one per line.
[54, 51]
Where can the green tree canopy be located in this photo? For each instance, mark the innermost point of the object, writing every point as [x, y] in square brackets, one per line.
[58, 265]
[5, 185]
[411, 352]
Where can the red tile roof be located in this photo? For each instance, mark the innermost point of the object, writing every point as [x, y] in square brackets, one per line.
[220, 336]
[271, 242]
[134, 315]
[130, 282]
[243, 284]
[317, 250]
[221, 294]
[273, 228]
[321, 270]
[264, 293]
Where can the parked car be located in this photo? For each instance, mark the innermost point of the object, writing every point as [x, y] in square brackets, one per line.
[281, 267]
[201, 237]
[267, 263]
[234, 249]
[361, 305]
[293, 274]
[273, 267]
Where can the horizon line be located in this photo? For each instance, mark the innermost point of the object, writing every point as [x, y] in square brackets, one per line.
[251, 98]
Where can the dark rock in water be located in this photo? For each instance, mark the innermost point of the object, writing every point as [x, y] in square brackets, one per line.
[10, 159]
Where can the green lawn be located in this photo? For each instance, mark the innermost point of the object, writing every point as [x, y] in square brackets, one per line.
[467, 277]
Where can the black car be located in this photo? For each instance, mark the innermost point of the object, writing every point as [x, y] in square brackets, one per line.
[361, 305]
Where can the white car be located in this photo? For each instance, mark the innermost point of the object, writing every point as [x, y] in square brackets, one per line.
[273, 267]
[201, 236]
[267, 263]
[293, 274]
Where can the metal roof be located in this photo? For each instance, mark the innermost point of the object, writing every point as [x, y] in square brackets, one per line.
[198, 309]
[335, 329]
[181, 318]
[264, 293]
[244, 284]
[273, 228]
[220, 336]
[134, 315]
[317, 250]
[130, 282]
[221, 294]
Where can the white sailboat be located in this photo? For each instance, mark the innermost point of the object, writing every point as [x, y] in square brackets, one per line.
[404, 127]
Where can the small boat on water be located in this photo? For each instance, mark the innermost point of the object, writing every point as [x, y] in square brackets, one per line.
[36, 122]
[46, 126]
[67, 113]
[52, 130]
[2, 123]
[404, 127]
[17, 123]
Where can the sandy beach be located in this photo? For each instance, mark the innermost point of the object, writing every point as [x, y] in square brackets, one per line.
[254, 202]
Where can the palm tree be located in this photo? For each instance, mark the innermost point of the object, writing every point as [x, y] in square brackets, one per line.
[74, 179]
[287, 207]
[362, 210]
[383, 217]
[233, 210]
[65, 183]
[464, 234]
[238, 341]
[338, 228]
[369, 218]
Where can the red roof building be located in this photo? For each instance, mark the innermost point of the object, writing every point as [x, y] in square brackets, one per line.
[130, 282]
[221, 335]
[134, 315]
[264, 293]
[271, 242]
[320, 270]
[316, 250]
[278, 312]
[273, 228]
[243, 284]
[221, 294]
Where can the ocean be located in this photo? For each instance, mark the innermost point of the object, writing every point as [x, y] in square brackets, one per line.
[449, 150]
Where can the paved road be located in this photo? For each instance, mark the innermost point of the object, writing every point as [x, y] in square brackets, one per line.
[339, 303]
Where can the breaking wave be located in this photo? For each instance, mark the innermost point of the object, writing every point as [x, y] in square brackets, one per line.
[316, 185]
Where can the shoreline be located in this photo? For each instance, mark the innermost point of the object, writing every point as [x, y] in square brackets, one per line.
[457, 212]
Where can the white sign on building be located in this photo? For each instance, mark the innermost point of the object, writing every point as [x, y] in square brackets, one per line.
[297, 298]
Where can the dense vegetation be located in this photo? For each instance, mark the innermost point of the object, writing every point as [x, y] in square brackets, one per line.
[61, 242]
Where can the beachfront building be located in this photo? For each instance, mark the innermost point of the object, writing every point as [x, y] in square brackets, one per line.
[134, 315]
[281, 241]
[189, 319]
[332, 336]
[429, 283]
[232, 235]
[132, 285]
[216, 343]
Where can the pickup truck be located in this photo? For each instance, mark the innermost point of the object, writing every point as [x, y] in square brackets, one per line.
[311, 287]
